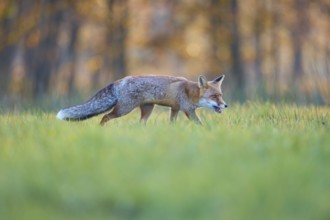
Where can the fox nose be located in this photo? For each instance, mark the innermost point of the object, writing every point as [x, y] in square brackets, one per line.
[226, 105]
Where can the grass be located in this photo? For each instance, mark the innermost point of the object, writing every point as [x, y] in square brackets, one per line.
[254, 161]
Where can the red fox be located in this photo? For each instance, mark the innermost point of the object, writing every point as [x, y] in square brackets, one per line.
[122, 96]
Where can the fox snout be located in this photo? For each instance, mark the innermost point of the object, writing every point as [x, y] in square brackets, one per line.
[218, 108]
[223, 105]
[218, 103]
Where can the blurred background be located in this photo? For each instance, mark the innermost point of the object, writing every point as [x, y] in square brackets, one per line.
[274, 50]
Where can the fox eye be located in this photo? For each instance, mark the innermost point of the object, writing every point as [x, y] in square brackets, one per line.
[215, 96]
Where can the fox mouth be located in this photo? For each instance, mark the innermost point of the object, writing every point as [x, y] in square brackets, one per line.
[217, 109]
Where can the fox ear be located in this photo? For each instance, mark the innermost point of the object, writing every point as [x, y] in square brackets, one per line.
[202, 82]
[218, 80]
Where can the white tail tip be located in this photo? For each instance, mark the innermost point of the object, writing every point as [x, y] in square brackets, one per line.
[60, 115]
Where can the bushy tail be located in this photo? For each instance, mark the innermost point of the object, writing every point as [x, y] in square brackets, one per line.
[101, 102]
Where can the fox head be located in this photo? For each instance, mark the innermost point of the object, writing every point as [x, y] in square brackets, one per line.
[211, 94]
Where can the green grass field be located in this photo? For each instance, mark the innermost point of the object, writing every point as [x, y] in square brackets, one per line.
[254, 161]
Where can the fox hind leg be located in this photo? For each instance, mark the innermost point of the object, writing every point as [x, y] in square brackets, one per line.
[116, 113]
[146, 110]
[109, 116]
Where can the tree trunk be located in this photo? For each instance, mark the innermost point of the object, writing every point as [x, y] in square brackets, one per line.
[115, 58]
[7, 51]
[237, 63]
[68, 59]
[41, 58]
[215, 22]
[275, 49]
[257, 31]
[75, 26]
[298, 34]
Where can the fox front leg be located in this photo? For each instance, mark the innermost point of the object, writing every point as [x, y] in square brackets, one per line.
[193, 116]
[174, 114]
[146, 110]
